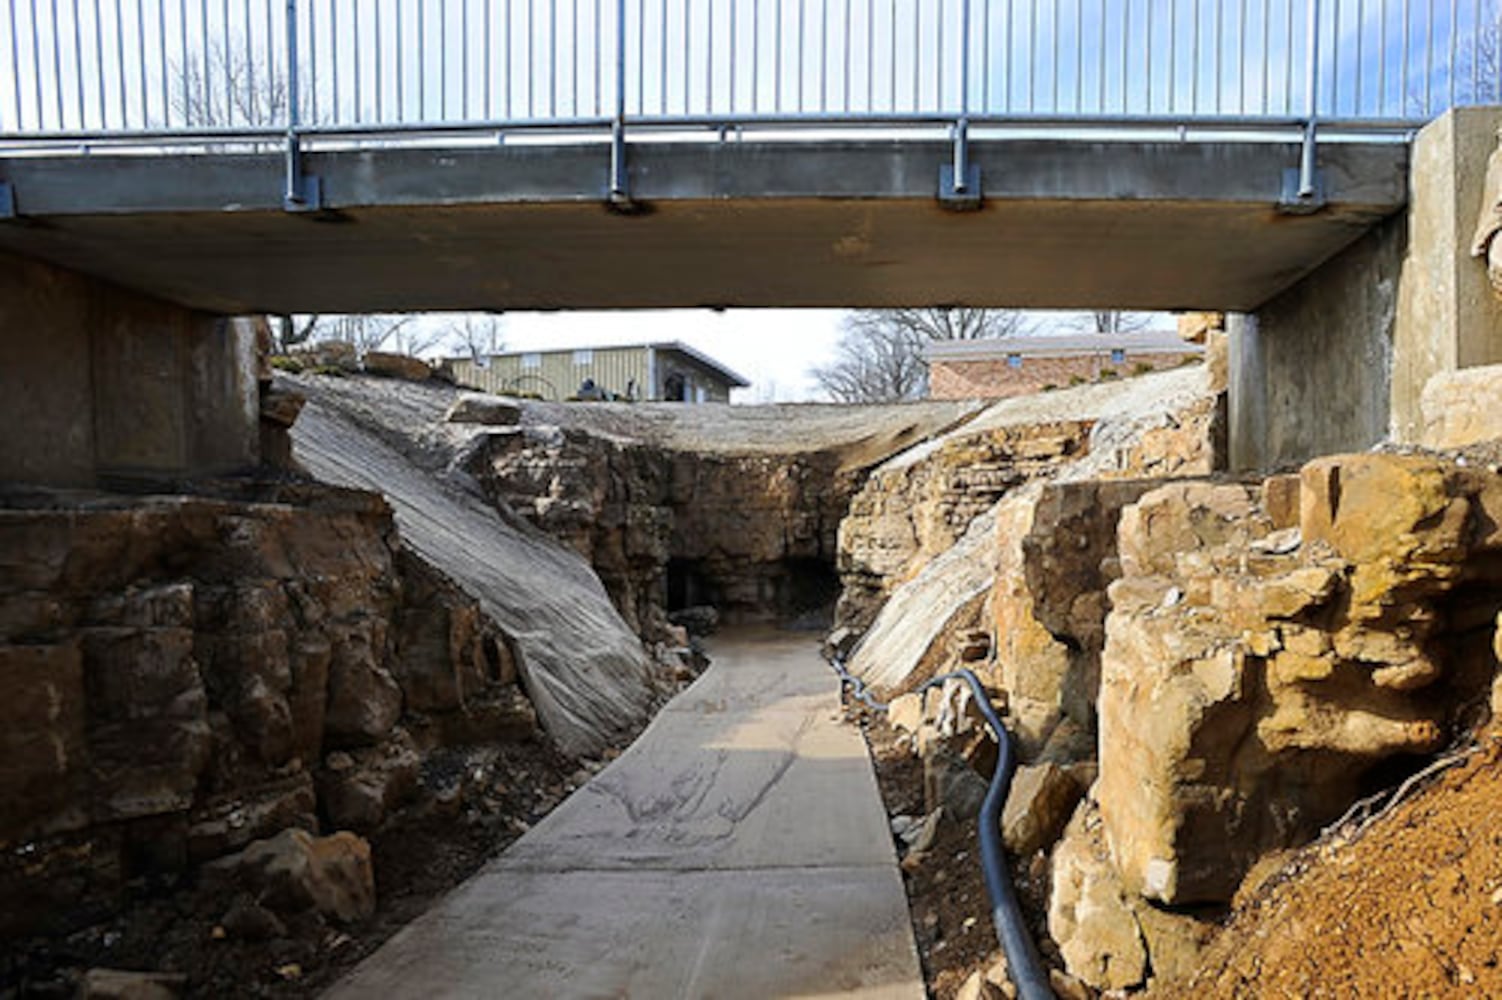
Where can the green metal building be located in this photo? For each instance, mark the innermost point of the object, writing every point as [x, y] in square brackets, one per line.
[667, 372]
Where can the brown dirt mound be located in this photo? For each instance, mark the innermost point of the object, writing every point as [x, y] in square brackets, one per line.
[1410, 906]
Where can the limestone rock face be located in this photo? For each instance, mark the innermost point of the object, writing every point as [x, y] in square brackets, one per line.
[1252, 674]
[908, 641]
[915, 508]
[1055, 555]
[295, 871]
[174, 673]
[1463, 407]
[738, 532]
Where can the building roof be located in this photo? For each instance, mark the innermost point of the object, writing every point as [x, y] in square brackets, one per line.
[1065, 345]
[725, 373]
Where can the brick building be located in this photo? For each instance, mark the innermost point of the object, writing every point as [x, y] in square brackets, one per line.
[1016, 366]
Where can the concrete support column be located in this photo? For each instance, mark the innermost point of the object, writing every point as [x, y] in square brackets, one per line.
[1448, 318]
[101, 386]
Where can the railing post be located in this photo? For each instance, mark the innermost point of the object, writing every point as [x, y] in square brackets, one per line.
[620, 191]
[303, 193]
[959, 180]
[1303, 188]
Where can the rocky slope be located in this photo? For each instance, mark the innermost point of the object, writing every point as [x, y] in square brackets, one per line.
[1200, 673]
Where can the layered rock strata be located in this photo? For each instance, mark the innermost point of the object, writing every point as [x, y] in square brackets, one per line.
[182, 675]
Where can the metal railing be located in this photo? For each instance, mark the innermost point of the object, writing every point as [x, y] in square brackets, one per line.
[94, 71]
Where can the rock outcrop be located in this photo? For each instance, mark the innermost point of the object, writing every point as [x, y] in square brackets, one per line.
[585, 671]
[182, 675]
[1257, 666]
[1045, 657]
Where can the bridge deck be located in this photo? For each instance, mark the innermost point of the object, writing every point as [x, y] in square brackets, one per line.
[1065, 223]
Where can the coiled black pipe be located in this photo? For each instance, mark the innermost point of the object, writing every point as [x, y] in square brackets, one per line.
[1023, 962]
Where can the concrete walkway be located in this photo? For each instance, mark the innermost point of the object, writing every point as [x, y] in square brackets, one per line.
[738, 849]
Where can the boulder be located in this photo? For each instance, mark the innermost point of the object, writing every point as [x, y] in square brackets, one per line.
[980, 987]
[1251, 678]
[1089, 913]
[952, 785]
[296, 871]
[1041, 801]
[397, 366]
[906, 712]
[484, 409]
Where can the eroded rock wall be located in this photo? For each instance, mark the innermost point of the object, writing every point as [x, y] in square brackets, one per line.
[666, 528]
[1262, 657]
[1271, 648]
[916, 507]
[182, 675]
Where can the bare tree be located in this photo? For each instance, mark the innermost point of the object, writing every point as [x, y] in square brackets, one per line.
[478, 336]
[1112, 321]
[225, 86]
[879, 357]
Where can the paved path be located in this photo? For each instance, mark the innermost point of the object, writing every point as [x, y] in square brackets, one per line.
[738, 849]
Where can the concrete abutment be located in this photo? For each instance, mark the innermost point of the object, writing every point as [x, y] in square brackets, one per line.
[104, 386]
[1339, 361]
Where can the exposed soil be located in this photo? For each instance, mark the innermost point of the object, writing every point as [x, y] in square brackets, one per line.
[1411, 905]
[494, 796]
[946, 891]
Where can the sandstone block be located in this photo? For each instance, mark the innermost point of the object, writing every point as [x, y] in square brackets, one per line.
[1041, 801]
[1089, 915]
[296, 871]
[484, 409]
[1463, 407]
[397, 366]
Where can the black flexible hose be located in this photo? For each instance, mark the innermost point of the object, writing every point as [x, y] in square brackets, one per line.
[1024, 965]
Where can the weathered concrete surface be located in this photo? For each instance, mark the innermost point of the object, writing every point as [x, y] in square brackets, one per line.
[738, 849]
[1339, 361]
[1310, 371]
[98, 383]
[1448, 317]
[839, 223]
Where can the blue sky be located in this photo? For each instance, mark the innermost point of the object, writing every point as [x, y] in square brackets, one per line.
[456, 60]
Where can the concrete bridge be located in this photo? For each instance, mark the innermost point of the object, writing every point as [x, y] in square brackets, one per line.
[149, 188]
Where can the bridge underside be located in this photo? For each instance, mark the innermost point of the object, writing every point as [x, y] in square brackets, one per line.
[1144, 225]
